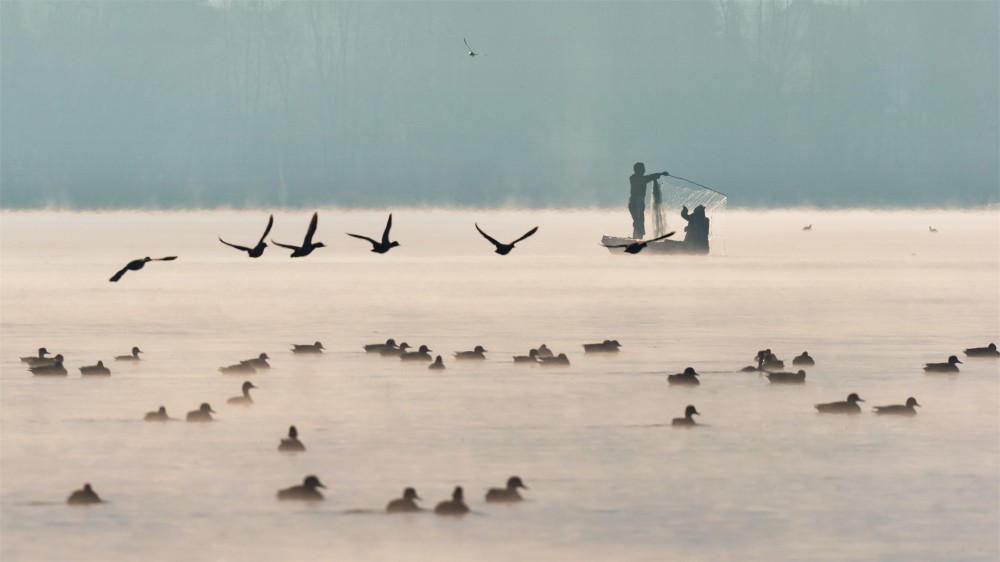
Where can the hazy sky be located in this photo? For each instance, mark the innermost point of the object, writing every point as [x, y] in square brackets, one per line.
[206, 104]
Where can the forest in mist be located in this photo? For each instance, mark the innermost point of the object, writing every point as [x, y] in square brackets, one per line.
[377, 104]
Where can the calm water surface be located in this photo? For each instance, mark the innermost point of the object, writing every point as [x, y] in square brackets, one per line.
[872, 296]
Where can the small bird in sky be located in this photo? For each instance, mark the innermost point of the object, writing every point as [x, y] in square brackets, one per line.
[809, 227]
[504, 249]
[385, 245]
[136, 265]
[471, 52]
[307, 244]
[257, 250]
[636, 247]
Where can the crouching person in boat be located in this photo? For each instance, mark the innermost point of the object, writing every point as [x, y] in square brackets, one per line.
[696, 239]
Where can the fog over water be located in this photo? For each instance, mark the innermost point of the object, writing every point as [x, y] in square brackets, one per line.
[872, 296]
[264, 104]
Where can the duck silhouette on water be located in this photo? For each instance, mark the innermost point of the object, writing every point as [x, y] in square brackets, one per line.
[245, 398]
[558, 361]
[395, 351]
[787, 378]
[32, 359]
[136, 265]
[543, 351]
[453, 507]
[898, 409]
[259, 362]
[308, 245]
[688, 377]
[531, 357]
[849, 406]
[479, 353]
[380, 347]
[636, 247]
[607, 346]
[258, 250]
[405, 504]
[54, 369]
[383, 246]
[85, 496]
[307, 348]
[99, 370]
[422, 354]
[950, 367]
[291, 443]
[158, 415]
[437, 365]
[988, 351]
[508, 494]
[241, 368]
[501, 248]
[803, 360]
[687, 420]
[306, 491]
[202, 414]
[133, 357]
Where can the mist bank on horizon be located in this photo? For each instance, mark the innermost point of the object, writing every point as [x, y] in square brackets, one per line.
[300, 104]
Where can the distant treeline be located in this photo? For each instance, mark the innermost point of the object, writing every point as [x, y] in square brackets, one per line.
[226, 103]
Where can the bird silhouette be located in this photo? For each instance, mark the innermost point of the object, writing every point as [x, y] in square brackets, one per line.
[504, 249]
[471, 52]
[809, 227]
[136, 265]
[307, 243]
[636, 247]
[385, 245]
[257, 250]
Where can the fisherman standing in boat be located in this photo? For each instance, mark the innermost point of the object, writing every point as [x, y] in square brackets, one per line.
[696, 239]
[637, 198]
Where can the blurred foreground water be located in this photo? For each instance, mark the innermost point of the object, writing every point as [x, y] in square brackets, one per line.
[872, 296]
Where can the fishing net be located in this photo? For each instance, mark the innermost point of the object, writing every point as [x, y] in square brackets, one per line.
[669, 197]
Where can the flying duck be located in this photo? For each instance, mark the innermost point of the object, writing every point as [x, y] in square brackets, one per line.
[501, 248]
[636, 247]
[257, 250]
[136, 265]
[383, 246]
[307, 243]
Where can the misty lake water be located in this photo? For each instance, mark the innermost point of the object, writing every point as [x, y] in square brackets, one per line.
[871, 295]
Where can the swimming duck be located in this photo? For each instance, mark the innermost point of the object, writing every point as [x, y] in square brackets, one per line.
[607, 346]
[202, 414]
[422, 354]
[636, 247]
[437, 365]
[949, 367]
[531, 357]
[55, 369]
[543, 351]
[850, 406]
[158, 415]
[558, 361]
[395, 351]
[477, 353]
[259, 362]
[988, 351]
[384, 245]
[85, 496]
[804, 360]
[508, 494]
[501, 248]
[379, 347]
[292, 443]
[136, 265]
[245, 399]
[134, 357]
[98, 369]
[456, 506]
[306, 491]
[42, 352]
[789, 378]
[687, 420]
[687, 377]
[405, 504]
[898, 409]
[307, 244]
[769, 361]
[241, 368]
[257, 250]
[306, 348]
